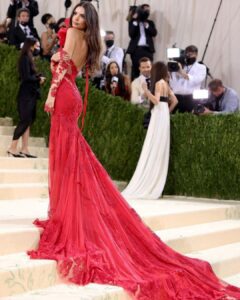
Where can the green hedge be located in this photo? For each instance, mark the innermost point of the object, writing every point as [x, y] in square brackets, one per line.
[205, 151]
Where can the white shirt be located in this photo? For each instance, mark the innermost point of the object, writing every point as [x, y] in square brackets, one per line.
[196, 73]
[142, 40]
[27, 28]
[137, 95]
[114, 54]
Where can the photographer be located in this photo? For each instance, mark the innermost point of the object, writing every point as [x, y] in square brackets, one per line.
[49, 39]
[189, 77]
[116, 83]
[138, 96]
[223, 100]
[22, 30]
[141, 31]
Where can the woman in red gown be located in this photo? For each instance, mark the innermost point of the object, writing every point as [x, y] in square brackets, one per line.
[92, 232]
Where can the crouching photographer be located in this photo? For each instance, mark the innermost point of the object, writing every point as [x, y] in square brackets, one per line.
[141, 31]
[222, 100]
[187, 75]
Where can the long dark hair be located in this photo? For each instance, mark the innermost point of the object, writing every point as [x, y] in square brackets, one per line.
[159, 71]
[26, 51]
[92, 34]
[121, 82]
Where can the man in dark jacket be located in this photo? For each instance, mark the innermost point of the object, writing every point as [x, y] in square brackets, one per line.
[141, 31]
[15, 5]
[22, 30]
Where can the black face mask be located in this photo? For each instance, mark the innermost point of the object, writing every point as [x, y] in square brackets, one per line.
[36, 51]
[143, 15]
[190, 60]
[24, 24]
[109, 43]
[52, 26]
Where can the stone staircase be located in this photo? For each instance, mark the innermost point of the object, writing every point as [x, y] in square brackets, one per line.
[208, 230]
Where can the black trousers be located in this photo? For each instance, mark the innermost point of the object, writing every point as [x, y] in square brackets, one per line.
[140, 51]
[186, 103]
[27, 115]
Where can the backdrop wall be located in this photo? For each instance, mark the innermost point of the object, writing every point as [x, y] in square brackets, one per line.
[183, 22]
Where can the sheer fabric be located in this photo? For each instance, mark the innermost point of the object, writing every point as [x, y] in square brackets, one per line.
[93, 233]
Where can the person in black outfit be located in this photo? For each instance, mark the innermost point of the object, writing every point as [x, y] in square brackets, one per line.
[22, 30]
[27, 98]
[13, 8]
[141, 31]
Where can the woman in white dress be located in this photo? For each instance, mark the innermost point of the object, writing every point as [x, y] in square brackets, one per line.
[149, 178]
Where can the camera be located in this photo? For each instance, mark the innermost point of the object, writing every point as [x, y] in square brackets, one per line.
[175, 56]
[198, 109]
[200, 95]
[142, 14]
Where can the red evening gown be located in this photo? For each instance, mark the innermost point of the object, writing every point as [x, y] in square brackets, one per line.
[93, 233]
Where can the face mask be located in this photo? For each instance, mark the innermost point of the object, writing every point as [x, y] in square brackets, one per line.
[52, 26]
[109, 43]
[143, 15]
[190, 60]
[36, 51]
[24, 23]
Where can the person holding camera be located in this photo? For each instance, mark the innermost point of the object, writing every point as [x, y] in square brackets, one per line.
[141, 31]
[22, 30]
[28, 94]
[189, 77]
[222, 100]
[49, 39]
[138, 96]
[116, 83]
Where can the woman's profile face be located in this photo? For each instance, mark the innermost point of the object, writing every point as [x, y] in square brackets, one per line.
[78, 19]
[113, 69]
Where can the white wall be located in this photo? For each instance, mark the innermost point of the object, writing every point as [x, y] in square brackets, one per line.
[182, 21]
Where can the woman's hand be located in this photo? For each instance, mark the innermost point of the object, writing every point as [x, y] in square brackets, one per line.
[49, 104]
[42, 80]
[145, 87]
[57, 56]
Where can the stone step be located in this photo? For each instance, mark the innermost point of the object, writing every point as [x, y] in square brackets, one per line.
[20, 191]
[38, 151]
[5, 141]
[19, 274]
[91, 291]
[26, 163]
[23, 176]
[169, 212]
[184, 239]
[6, 121]
[202, 236]
[6, 130]
[225, 260]
[234, 280]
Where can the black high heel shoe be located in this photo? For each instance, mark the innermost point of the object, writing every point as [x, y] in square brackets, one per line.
[10, 154]
[28, 155]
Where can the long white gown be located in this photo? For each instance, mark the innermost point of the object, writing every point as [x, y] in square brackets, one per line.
[149, 178]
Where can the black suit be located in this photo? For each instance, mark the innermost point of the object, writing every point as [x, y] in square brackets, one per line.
[137, 52]
[32, 7]
[12, 11]
[18, 36]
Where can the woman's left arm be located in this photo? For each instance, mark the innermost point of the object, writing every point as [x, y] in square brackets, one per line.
[64, 64]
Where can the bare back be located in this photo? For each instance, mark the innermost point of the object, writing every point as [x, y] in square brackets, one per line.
[76, 47]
